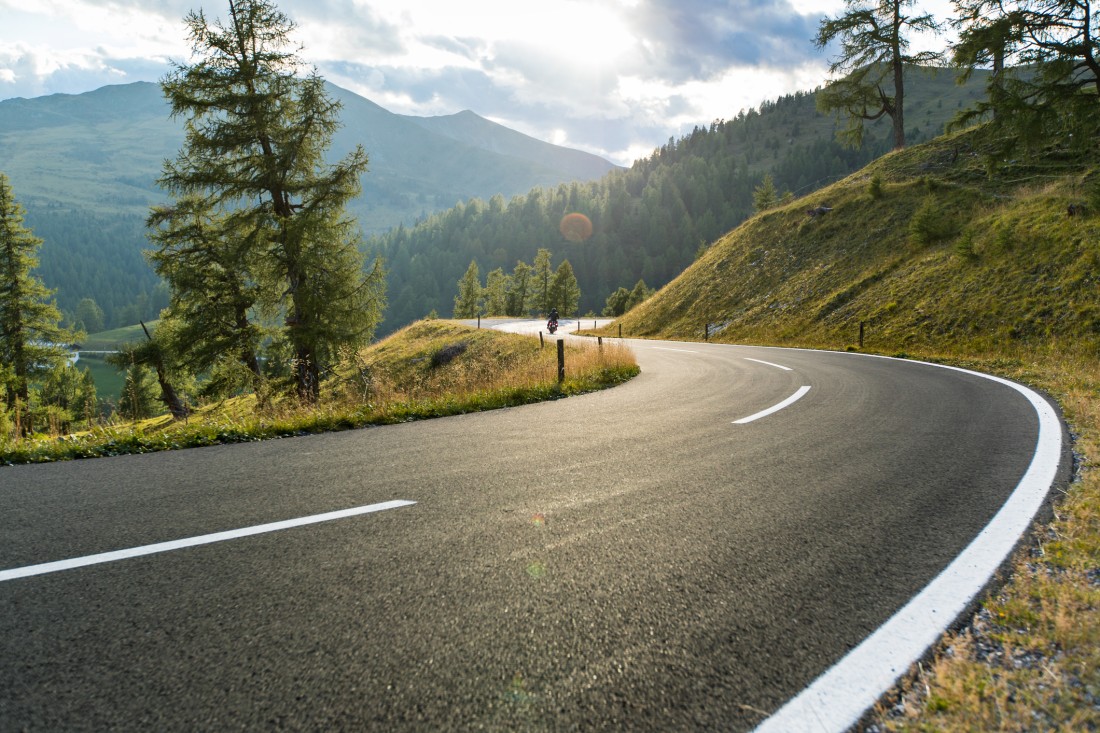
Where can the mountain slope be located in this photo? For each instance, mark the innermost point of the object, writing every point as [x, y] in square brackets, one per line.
[946, 258]
[472, 129]
[85, 168]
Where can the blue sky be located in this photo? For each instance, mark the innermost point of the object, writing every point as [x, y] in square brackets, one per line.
[613, 77]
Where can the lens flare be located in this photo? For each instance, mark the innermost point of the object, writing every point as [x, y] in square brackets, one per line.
[576, 227]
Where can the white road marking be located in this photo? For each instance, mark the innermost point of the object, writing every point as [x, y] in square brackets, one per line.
[664, 348]
[775, 408]
[79, 562]
[777, 366]
[839, 697]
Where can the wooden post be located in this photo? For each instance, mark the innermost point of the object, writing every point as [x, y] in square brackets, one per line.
[620, 330]
[479, 321]
[706, 332]
[561, 361]
[861, 326]
[541, 344]
[599, 341]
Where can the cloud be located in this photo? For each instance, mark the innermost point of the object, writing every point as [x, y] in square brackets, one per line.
[609, 76]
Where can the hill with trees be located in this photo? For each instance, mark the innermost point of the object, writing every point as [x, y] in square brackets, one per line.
[85, 168]
[651, 221]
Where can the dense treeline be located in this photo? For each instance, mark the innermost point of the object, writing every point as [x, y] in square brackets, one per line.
[98, 257]
[649, 221]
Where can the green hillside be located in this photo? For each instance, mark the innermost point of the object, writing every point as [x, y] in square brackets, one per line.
[85, 168]
[942, 260]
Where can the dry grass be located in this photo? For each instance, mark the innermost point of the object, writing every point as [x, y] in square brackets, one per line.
[430, 369]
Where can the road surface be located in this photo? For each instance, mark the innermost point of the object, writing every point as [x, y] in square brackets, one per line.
[643, 558]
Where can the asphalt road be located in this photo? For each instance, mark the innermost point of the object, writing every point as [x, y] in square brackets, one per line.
[626, 560]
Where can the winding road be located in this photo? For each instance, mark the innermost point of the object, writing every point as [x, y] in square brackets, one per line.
[677, 553]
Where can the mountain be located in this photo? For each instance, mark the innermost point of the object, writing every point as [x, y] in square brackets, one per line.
[85, 167]
[472, 129]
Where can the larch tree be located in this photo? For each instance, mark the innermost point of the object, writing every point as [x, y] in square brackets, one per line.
[32, 341]
[1045, 58]
[541, 274]
[874, 51]
[519, 292]
[469, 300]
[497, 285]
[252, 167]
[565, 294]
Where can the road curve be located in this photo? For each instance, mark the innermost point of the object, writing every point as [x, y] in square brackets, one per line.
[630, 559]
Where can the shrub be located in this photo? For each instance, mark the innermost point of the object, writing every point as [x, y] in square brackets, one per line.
[874, 188]
[930, 225]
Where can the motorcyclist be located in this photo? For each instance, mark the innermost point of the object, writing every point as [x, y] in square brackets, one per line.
[552, 323]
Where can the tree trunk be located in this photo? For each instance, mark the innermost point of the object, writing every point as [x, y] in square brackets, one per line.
[899, 82]
[168, 393]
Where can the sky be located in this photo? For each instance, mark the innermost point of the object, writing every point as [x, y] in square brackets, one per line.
[613, 77]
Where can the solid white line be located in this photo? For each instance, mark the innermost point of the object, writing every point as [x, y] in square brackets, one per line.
[777, 366]
[663, 348]
[79, 562]
[775, 408]
[838, 698]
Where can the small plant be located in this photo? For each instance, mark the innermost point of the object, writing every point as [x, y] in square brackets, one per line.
[874, 188]
[930, 225]
[964, 248]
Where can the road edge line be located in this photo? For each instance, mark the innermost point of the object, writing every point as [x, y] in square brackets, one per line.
[842, 695]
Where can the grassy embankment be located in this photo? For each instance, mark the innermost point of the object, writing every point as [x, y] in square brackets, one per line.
[430, 369]
[943, 261]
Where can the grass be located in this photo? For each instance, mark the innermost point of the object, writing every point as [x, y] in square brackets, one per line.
[430, 369]
[947, 262]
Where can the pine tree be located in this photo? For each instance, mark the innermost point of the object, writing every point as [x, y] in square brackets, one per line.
[541, 275]
[565, 294]
[765, 195]
[253, 161]
[32, 341]
[874, 53]
[469, 299]
[497, 285]
[519, 293]
[1045, 56]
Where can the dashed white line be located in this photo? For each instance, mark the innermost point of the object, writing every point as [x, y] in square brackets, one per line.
[768, 363]
[103, 557]
[775, 408]
[663, 348]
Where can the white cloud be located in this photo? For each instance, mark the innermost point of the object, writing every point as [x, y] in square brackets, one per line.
[609, 76]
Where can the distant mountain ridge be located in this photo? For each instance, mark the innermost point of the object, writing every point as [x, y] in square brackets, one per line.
[85, 168]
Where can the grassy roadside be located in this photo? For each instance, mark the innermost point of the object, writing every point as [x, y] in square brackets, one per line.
[429, 369]
[1029, 659]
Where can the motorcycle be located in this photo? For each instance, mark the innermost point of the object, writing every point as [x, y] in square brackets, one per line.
[552, 325]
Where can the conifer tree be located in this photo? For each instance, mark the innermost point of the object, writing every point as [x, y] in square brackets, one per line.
[765, 196]
[874, 37]
[519, 292]
[565, 294]
[32, 341]
[469, 299]
[256, 134]
[1045, 58]
[496, 293]
[541, 275]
